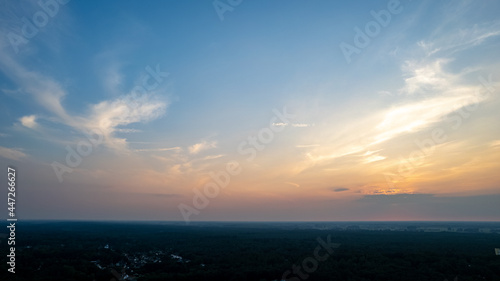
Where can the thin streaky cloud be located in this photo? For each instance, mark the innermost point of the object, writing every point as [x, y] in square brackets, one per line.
[12, 153]
[204, 145]
[293, 184]
[306, 145]
[177, 148]
[339, 189]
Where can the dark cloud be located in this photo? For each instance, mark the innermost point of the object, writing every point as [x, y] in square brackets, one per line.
[338, 189]
[436, 206]
[170, 195]
[397, 198]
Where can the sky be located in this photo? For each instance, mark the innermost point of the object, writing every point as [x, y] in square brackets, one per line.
[238, 110]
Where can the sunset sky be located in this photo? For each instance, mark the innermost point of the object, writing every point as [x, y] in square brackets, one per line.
[328, 110]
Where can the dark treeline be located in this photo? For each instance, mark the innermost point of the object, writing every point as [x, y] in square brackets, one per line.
[161, 251]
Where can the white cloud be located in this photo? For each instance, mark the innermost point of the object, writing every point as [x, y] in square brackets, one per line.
[374, 158]
[204, 145]
[112, 78]
[11, 153]
[418, 115]
[301, 125]
[425, 77]
[292, 184]
[297, 125]
[495, 143]
[444, 93]
[108, 115]
[211, 157]
[461, 39]
[47, 92]
[368, 153]
[159, 149]
[281, 124]
[127, 131]
[28, 121]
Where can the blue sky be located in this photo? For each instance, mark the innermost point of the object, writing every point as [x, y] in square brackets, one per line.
[176, 88]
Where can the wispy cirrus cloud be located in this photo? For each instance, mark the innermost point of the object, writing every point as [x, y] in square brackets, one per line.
[293, 184]
[415, 116]
[44, 90]
[495, 143]
[296, 125]
[204, 145]
[211, 157]
[121, 130]
[107, 116]
[12, 153]
[177, 148]
[445, 43]
[429, 94]
[426, 76]
[404, 118]
[113, 78]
